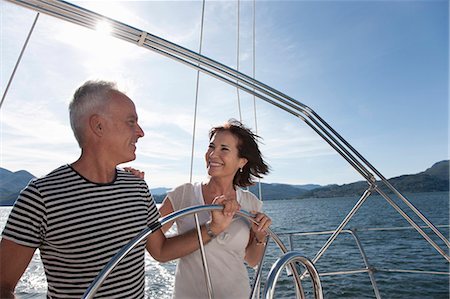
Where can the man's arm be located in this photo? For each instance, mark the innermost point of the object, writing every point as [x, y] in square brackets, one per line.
[14, 260]
[165, 249]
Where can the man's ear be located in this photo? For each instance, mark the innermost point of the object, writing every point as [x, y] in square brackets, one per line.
[96, 125]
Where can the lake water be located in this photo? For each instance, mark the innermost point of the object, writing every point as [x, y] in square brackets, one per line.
[393, 249]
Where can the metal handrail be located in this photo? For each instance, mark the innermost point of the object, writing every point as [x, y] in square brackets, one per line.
[290, 258]
[254, 294]
[115, 260]
[369, 269]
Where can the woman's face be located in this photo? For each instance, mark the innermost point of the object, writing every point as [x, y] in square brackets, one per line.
[222, 156]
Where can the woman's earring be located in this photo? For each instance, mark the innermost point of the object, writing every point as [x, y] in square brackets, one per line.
[240, 169]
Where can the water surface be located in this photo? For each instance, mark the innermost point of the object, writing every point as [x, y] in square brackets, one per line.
[391, 250]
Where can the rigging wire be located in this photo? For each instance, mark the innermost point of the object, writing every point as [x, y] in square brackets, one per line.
[254, 75]
[196, 93]
[237, 58]
[254, 64]
[19, 59]
[197, 221]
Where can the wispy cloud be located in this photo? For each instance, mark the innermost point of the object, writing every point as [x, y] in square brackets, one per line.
[338, 58]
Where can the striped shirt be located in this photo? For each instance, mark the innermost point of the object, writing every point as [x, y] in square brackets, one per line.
[79, 225]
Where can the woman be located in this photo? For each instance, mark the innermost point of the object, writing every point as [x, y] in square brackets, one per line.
[233, 160]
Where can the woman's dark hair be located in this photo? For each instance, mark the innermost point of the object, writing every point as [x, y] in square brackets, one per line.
[248, 149]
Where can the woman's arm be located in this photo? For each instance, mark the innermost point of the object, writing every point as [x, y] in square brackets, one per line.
[257, 240]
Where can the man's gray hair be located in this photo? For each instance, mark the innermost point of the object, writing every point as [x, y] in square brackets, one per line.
[88, 99]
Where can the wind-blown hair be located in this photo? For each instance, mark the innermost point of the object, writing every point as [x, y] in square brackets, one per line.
[248, 149]
[88, 99]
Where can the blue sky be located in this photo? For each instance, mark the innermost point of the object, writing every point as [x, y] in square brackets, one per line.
[377, 71]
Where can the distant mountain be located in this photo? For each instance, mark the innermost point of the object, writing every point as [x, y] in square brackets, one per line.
[269, 191]
[159, 191]
[307, 186]
[435, 178]
[279, 191]
[439, 170]
[11, 183]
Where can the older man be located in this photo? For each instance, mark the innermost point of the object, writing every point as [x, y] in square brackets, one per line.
[81, 214]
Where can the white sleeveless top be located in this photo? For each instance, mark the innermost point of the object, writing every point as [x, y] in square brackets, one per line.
[224, 254]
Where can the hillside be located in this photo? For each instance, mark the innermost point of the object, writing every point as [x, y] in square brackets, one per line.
[435, 178]
[11, 183]
[269, 191]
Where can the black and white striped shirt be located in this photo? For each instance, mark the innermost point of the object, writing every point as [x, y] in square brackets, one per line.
[79, 225]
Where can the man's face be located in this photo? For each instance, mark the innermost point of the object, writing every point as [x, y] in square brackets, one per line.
[122, 129]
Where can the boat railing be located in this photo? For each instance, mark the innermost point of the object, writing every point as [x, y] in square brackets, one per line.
[288, 260]
[369, 268]
[281, 263]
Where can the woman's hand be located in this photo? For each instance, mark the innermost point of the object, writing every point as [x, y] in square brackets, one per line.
[221, 219]
[258, 239]
[135, 172]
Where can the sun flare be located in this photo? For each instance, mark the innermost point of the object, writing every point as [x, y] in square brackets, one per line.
[103, 28]
[102, 51]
